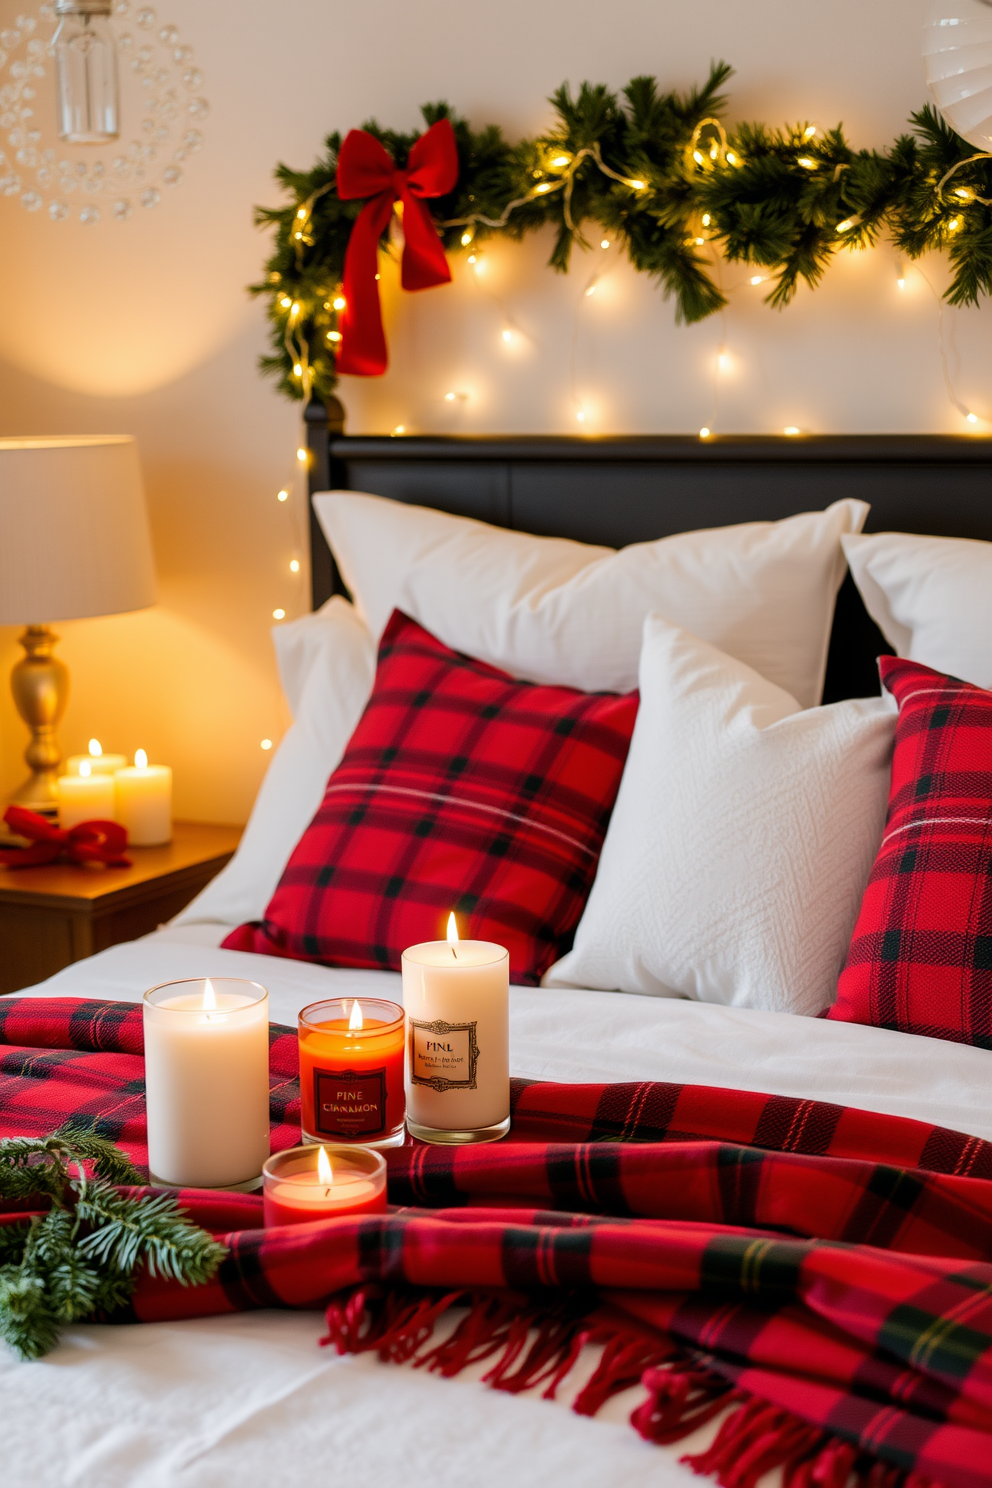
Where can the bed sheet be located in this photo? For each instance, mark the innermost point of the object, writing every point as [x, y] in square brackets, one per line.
[253, 1400]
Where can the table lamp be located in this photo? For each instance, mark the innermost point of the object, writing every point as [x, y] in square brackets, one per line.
[74, 542]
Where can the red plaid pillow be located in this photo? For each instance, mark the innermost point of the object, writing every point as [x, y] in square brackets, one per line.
[461, 789]
[921, 957]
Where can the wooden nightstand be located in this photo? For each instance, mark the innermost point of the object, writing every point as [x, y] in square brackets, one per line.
[52, 916]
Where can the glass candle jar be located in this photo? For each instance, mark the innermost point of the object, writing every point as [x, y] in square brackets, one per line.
[457, 996]
[351, 1071]
[325, 1182]
[207, 1082]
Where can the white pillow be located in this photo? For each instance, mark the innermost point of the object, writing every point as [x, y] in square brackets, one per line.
[555, 611]
[741, 840]
[327, 667]
[931, 597]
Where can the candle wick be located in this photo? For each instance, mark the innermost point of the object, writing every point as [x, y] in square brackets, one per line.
[453, 951]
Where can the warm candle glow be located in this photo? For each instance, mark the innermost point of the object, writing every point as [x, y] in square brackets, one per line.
[209, 997]
[86, 769]
[324, 1170]
[452, 929]
[95, 748]
[140, 760]
[355, 1022]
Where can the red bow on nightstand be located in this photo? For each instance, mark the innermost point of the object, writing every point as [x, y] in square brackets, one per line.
[89, 842]
[366, 169]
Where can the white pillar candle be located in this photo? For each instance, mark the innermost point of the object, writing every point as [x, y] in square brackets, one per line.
[99, 763]
[207, 1082]
[85, 797]
[144, 802]
[457, 996]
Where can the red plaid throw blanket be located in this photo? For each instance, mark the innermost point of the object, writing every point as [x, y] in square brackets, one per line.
[823, 1272]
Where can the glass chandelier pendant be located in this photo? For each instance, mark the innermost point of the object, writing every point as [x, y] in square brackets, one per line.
[86, 64]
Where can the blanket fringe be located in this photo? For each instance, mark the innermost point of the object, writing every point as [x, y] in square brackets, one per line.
[535, 1343]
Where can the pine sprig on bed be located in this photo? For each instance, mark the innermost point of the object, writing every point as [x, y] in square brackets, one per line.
[79, 1259]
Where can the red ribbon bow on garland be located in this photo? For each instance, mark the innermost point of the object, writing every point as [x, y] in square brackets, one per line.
[365, 168]
[88, 842]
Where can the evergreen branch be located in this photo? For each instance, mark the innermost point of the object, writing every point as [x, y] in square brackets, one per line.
[641, 167]
[79, 1260]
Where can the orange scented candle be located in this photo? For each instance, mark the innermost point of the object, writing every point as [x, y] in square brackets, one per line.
[351, 1071]
[310, 1183]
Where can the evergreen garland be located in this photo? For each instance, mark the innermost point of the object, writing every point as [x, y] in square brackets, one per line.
[661, 175]
[78, 1260]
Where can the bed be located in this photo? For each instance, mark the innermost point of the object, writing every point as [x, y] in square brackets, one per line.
[251, 1398]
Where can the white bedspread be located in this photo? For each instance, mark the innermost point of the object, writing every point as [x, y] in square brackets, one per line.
[251, 1400]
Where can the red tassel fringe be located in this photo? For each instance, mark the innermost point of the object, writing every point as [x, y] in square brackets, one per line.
[683, 1395]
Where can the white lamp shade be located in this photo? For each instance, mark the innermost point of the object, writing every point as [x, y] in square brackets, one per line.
[74, 538]
[957, 54]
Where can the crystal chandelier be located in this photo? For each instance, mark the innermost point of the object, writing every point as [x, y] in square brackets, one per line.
[125, 116]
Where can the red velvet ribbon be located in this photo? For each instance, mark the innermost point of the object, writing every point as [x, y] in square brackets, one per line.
[365, 168]
[88, 842]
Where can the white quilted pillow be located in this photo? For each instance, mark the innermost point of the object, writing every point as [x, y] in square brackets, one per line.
[931, 597]
[327, 667]
[554, 611]
[741, 840]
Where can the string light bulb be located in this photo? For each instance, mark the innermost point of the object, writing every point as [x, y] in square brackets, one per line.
[560, 161]
[757, 279]
[723, 361]
[285, 302]
[544, 186]
[466, 239]
[954, 224]
[732, 159]
[298, 370]
[400, 429]
[266, 744]
[339, 302]
[301, 455]
[707, 219]
[809, 131]
[972, 418]
[846, 225]
[637, 185]
[807, 162]
[294, 565]
[704, 432]
[963, 194]
[791, 430]
[507, 334]
[282, 495]
[334, 336]
[279, 614]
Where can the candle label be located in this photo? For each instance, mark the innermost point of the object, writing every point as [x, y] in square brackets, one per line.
[349, 1104]
[443, 1055]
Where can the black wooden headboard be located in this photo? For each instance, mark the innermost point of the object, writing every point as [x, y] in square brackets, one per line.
[620, 490]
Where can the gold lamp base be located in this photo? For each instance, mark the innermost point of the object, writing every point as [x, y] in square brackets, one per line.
[40, 684]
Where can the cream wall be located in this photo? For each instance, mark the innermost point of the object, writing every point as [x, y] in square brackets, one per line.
[144, 327]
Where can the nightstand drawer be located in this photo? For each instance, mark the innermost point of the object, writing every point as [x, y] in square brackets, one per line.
[52, 916]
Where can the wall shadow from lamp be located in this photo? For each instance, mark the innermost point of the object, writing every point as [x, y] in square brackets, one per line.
[74, 543]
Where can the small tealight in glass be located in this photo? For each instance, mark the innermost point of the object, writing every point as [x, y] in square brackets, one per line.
[309, 1183]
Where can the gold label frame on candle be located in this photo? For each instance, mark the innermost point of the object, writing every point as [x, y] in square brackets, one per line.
[441, 1029]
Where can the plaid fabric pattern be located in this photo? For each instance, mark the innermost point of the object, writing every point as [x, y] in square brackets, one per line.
[840, 1303]
[461, 789]
[921, 957]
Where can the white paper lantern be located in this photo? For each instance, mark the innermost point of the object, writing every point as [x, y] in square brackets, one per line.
[957, 54]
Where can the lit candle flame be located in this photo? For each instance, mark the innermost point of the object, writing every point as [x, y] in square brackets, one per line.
[354, 1022]
[453, 934]
[209, 997]
[95, 748]
[140, 760]
[86, 768]
[324, 1170]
